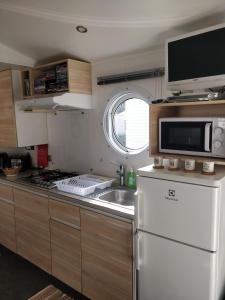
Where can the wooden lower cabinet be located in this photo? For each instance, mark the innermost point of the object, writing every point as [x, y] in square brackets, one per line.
[107, 258]
[7, 218]
[33, 228]
[66, 254]
[7, 225]
[89, 251]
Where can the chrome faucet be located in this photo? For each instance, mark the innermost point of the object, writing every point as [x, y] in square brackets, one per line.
[121, 173]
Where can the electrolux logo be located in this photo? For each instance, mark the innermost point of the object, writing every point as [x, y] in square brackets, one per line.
[171, 195]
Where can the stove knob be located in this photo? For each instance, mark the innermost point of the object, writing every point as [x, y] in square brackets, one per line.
[218, 130]
[217, 144]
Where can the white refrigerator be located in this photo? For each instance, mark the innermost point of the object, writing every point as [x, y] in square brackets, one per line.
[180, 238]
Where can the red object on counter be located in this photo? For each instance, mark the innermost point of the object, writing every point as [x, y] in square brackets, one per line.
[42, 156]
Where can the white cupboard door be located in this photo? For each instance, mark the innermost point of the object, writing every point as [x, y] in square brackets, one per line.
[172, 271]
[179, 211]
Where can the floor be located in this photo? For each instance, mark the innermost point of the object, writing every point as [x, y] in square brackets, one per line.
[20, 279]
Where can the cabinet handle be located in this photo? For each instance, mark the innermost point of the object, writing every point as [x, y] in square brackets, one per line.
[31, 192]
[6, 201]
[65, 223]
[139, 210]
[138, 251]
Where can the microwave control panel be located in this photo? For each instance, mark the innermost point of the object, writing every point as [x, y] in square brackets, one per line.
[218, 138]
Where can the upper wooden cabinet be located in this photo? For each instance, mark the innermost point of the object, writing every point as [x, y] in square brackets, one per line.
[17, 128]
[58, 77]
[8, 135]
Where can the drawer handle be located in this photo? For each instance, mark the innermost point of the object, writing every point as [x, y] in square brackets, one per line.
[65, 223]
[139, 255]
[6, 200]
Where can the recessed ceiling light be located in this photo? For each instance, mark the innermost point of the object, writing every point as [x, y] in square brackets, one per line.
[81, 29]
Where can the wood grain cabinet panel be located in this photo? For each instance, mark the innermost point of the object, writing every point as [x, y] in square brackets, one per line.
[107, 260]
[17, 128]
[7, 218]
[8, 136]
[66, 254]
[64, 212]
[7, 225]
[33, 228]
[79, 77]
[6, 193]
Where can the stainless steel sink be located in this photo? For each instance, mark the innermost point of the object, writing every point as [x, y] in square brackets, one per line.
[119, 196]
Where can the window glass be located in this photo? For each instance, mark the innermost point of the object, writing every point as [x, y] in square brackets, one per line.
[127, 123]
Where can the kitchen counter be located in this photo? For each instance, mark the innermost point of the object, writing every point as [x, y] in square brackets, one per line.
[92, 201]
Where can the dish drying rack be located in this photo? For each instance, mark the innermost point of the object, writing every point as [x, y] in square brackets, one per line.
[84, 184]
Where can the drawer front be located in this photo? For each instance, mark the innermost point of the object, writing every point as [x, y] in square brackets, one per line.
[33, 228]
[107, 263]
[32, 205]
[66, 213]
[66, 254]
[7, 225]
[6, 193]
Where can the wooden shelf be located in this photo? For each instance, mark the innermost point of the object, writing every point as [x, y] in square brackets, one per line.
[192, 103]
[198, 159]
[78, 78]
[210, 108]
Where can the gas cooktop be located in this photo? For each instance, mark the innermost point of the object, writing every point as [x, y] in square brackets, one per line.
[46, 178]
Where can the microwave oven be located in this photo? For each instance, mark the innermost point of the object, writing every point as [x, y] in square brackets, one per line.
[192, 136]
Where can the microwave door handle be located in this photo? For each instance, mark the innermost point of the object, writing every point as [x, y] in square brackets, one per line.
[207, 137]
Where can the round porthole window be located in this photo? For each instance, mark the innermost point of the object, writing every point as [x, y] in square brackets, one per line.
[126, 123]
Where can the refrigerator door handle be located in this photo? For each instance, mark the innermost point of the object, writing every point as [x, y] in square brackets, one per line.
[138, 251]
[139, 210]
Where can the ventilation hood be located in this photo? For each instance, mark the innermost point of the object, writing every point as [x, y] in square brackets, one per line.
[63, 102]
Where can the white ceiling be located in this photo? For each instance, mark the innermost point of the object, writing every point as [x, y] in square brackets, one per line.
[46, 28]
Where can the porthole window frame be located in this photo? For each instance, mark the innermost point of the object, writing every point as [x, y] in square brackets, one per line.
[108, 128]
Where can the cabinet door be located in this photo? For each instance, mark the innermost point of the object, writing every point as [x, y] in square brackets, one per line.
[79, 77]
[66, 254]
[106, 257]
[65, 213]
[7, 218]
[8, 137]
[33, 228]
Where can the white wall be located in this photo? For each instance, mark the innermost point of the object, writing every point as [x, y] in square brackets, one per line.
[13, 57]
[77, 141]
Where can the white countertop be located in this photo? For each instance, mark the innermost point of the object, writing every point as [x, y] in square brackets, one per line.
[179, 175]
